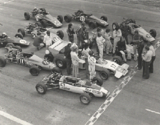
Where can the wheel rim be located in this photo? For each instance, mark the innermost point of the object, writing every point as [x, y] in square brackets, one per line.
[60, 63]
[40, 89]
[84, 100]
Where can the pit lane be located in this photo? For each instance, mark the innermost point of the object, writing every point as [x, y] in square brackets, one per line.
[57, 107]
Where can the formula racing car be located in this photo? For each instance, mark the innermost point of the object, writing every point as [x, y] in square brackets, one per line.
[44, 18]
[16, 41]
[35, 63]
[90, 19]
[132, 27]
[86, 89]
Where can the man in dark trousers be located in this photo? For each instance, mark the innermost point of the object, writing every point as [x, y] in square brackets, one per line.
[67, 56]
[147, 57]
[151, 47]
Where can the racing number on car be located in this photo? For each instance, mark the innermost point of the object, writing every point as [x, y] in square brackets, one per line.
[82, 18]
[22, 41]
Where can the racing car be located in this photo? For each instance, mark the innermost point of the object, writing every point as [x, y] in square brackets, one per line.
[90, 19]
[44, 18]
[132, 27]
[86, 89]
[104, 67]
[33, 61]
[16, 41]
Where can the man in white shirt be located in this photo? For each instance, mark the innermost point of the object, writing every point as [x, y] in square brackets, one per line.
[153, 57]
[47, 39]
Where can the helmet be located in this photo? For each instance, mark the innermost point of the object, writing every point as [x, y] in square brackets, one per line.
[4, 33]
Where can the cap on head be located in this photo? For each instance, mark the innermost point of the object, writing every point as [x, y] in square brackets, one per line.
[4, 33]
[47, 51]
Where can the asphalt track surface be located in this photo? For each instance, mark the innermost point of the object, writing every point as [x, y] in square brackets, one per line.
[137, 104]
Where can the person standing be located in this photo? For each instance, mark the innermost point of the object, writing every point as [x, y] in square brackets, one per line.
[67, 56]
[147, 57]
[140, 46]
[70, 32]
[151, 47]
[100, 43]
[85, 53]
[79, 35]
[75, 61]
[91, 65]
[108, 44]
[117, 34]
[47, 39]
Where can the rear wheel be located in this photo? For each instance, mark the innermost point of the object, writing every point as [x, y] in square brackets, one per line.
[153, 33]
[85, 98]
[2, 62]
[104, 74]
[60, 18]
[34, 71]
[41, 88]
[60, 34]
[97, 81]
[118, 60]
[19, 35]
[60, 63]
[21, 31]
[104, 18]
[26, 15]
[68, 18]
[92, 25]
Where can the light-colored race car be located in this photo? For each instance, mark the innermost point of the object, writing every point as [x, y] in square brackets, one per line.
[86, 89]
[44, 18]
[33, 61]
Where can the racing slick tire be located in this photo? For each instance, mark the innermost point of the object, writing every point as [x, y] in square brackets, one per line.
[10, 45]
[60, 34]
[37, 41]
[57, 70]
[26, 15]
[118, 60]
[43, 23]
[19, 48]
[153, 33]
[34, 70]
[97, 81]
[60, 18]
[41, 88]
[2, 61]
[21, 31]
[104, 18]
[60, 63]
[92, 25]
[104, 74]
[68, 18]
[19, 35]
[85, 98]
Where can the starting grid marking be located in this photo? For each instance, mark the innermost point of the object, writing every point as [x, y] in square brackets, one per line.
[114, 94]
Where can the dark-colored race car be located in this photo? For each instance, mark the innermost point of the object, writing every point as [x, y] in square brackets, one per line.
[131, 27]
[16, 41]
[86, 89]
[44, 18]
[90, 19]
[35, 63]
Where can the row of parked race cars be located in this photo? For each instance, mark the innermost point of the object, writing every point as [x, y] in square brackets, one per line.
[86, 89]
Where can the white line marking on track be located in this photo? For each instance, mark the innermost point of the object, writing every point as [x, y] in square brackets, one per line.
[13, 118]
[114, 94]
[153, 111]
[8, 2]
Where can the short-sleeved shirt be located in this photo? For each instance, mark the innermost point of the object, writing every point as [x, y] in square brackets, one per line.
[148, 56]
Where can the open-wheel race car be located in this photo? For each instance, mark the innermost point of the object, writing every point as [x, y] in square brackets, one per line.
[18, 40]
[104, 67]
[90, 19]
[86, 89]
[44, 18]
[33, 61]
[132, 27]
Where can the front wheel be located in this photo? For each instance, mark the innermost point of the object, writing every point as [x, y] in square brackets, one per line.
[60, 63]
[60, 34]
[34, 71]
[104, 18]
[85, 98]
[118, 60]
[97, 81]
[153, 33]
[104, 74]
[41, 88]
[68, 18]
